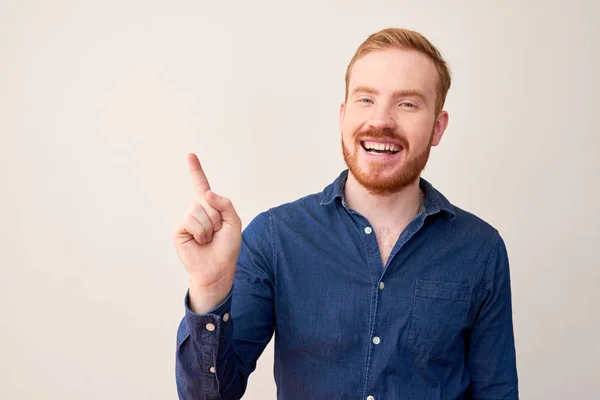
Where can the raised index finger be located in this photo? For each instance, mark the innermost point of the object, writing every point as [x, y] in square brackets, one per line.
[199, 180]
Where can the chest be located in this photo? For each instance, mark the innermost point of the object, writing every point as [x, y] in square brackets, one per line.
[386, 239]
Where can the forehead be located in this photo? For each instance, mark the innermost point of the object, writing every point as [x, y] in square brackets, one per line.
[395, 69]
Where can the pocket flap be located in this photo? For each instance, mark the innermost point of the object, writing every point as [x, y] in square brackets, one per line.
[443, 290]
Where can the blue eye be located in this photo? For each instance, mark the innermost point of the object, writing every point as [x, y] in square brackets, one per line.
[409, 105]
[365, 100]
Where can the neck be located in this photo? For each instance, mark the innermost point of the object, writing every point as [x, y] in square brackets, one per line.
[393, 209]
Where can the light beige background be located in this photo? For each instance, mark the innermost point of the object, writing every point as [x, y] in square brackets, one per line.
[100, 102]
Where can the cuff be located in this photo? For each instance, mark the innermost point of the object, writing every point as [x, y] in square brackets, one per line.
[209, 327]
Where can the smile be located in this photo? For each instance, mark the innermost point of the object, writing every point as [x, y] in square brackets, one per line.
[380, 148]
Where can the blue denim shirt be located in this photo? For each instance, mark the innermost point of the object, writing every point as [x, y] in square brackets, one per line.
[434, 323]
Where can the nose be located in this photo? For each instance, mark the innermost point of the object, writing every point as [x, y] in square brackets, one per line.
[382, 118]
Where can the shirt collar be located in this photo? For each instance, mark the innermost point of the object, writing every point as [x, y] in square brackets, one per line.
[335, 190]
[434, 200]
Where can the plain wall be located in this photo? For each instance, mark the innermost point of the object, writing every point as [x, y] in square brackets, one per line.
[101, 101]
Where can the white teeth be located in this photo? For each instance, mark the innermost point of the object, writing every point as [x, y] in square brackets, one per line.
[381, 146]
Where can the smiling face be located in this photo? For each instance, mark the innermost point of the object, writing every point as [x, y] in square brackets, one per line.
[389, 120]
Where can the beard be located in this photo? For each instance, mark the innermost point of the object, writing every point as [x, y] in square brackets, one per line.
[371, 179]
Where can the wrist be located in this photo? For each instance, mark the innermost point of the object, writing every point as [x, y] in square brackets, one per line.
[204, 299]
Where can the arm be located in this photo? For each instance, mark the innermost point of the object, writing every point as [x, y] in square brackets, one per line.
[239, 338]
[491, 359]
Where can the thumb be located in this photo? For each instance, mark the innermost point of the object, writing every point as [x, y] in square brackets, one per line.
[225, 207]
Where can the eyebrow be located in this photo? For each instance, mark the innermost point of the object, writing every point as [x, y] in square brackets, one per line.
[397, 93]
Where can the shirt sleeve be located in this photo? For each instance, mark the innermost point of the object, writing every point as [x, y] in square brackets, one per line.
[491, 356]
[217, 351]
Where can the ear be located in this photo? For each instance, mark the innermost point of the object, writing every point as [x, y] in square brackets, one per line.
[439, 128]
[342, 113]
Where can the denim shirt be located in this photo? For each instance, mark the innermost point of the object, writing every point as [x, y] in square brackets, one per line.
[434, 323]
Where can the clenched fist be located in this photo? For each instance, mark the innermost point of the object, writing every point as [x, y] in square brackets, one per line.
[208, 242]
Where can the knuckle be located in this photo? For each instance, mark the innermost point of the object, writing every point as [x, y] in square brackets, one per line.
[196, 207]
[214, 215]
[197, 213]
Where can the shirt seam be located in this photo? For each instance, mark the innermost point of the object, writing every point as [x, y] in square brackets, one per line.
[485, 272]
[273, 252]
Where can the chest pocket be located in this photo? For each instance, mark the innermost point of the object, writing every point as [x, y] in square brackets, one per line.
[439, 318]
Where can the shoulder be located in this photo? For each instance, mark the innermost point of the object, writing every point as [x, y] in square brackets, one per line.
[460, 222]
[313, 205]
[476, 224]
[482, 237]
[296, 211]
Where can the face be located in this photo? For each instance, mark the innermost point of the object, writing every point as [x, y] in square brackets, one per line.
[389, 120]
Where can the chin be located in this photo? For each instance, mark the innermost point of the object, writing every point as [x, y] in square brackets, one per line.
[385, 174]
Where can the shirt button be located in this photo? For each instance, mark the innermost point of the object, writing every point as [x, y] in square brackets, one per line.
[212, 369]
[381, 285]
[376, 340]
[370, 398]
[210, 327]
[368, 230]
[226, 317]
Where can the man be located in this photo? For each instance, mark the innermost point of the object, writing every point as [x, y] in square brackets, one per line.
[377, 287]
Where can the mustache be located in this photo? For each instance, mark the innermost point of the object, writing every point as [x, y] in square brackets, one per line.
[383, 134]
